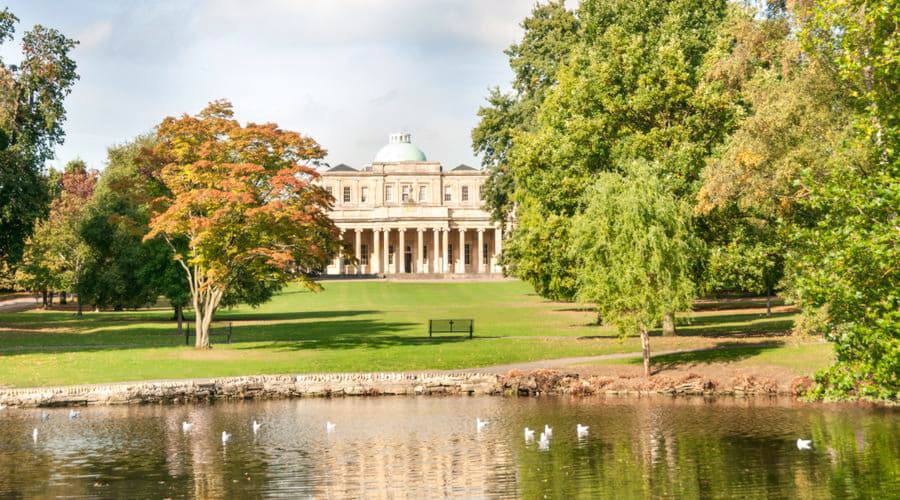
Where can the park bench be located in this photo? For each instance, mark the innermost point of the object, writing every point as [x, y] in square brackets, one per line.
[223, 331]
[451, 326]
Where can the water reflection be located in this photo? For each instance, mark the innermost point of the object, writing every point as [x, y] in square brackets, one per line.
[429, 447]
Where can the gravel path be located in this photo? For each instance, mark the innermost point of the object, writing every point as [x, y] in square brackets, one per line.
[18, 304]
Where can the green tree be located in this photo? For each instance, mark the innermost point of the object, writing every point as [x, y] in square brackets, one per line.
[633, 87]
[635, 249]
[31, 125]
[549, 35]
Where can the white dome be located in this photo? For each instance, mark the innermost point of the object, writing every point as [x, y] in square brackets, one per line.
[399, 148]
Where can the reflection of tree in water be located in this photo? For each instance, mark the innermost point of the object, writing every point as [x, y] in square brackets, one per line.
[651, 447]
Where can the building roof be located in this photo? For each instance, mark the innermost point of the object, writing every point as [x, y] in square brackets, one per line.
[342, 168]
[463, 166]
[399, 149]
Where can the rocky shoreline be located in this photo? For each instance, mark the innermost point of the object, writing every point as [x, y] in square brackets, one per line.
[514, 383]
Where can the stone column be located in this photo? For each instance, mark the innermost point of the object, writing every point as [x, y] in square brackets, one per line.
[498, 248]
[435, 263]
[376, 250]
[341, 257]
[461, 255]
[357, 254]
[480, 252]
[387, 243]
[445, 240]
[401, 252]
[420, 243]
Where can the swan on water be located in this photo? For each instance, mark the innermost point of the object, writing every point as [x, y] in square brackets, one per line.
[225, 437]
[45, 416]
[548, 431]
[186, 426]
[480, 424]
[34, 434]
[544, 442]
[74, 414]
[329, 427]
[2, 406]
[529, 434]
[581, 430]
[804, 444]
[256, 426]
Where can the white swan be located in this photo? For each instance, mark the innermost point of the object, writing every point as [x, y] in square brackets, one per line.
[34, 434]
[804, 444]
[548, 431]
[45, 416]
[2, 406]
[581, 430]
[256, 426]
[74, 414]
[225, 437]
[480, 424]
[186, 426]
[329, 427]
[544, 442]
[529, 434]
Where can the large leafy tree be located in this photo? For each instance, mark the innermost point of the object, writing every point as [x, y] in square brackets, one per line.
[847, 244]
[242, 198]
[633, 87]
[635, 248]
[550, 33]
[31, 118]
[55, 254]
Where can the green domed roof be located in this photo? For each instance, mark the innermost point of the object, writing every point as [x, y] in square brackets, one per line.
[399, 148]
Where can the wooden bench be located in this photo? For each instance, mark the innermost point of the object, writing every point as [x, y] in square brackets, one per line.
[451, 326]
[224, 331]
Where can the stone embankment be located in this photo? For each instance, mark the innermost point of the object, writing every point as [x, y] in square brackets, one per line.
[538, 382]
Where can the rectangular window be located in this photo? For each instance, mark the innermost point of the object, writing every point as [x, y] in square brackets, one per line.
[331, 191]
[448, 193]
[450, 253]
[404, 196]
[390, 254]
[424, 251]
[484, 252]
[481, 192]
[388, 192]
[468, 254]
[465, 193]
[347, 194]
[423, 193]
[364, 195]
[364, 254]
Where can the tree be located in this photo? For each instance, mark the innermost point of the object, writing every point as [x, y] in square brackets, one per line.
[635, 247]
[549, 35]
[244, 201]
[31, 119]
[846, 246]
[632, 87]
[55, 253]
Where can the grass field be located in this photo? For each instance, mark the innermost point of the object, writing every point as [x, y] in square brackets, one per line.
[350, 326]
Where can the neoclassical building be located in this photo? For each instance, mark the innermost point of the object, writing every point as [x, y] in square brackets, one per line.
[405, 214]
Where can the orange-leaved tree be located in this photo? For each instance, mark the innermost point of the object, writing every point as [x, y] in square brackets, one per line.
[239, 202]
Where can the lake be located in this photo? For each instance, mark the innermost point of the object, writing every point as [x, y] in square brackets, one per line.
[429, 447]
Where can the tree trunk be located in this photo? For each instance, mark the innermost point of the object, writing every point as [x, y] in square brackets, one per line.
[645, 349]
[62, 299]
[179, 316]
[44, 299]
[79, 305]
[768, 300]
[50, 299]
[599, 319]
[668, 324]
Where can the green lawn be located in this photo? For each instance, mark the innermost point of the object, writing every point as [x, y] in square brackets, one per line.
[351, 326]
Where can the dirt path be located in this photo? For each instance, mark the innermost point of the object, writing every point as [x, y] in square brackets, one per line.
[18, 304]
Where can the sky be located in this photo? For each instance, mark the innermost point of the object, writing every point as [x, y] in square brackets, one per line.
[345, 72]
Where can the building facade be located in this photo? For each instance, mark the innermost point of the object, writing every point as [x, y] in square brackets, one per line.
[403, 214]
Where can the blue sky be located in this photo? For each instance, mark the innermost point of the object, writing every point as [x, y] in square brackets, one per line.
[346, 72]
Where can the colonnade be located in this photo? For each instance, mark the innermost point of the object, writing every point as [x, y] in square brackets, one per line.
[421, 250]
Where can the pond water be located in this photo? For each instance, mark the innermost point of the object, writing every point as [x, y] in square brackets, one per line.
[429, 447]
